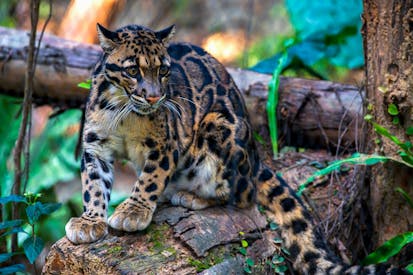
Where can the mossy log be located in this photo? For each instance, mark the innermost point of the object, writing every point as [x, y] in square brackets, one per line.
[311, 114]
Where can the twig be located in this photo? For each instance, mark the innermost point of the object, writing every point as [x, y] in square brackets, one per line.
[27, 108]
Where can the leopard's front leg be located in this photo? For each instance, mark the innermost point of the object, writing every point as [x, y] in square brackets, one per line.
[97, 178]
[136, 212]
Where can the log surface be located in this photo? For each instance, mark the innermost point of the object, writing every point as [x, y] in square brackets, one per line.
[311, 114]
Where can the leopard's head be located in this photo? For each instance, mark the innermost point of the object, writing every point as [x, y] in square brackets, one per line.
[137, 64]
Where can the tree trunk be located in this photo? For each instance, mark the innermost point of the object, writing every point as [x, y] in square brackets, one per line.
[312, 114]
[388, 40]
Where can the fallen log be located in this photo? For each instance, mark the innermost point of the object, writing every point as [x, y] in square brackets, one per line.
[311, 114]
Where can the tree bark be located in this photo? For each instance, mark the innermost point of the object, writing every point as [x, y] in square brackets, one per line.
[388, 42]
[311, 114]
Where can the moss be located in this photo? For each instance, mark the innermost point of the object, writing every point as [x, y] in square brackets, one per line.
[115, 249]
[214, 257]
[156, 234]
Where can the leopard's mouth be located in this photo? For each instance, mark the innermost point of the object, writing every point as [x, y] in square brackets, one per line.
[143, 107]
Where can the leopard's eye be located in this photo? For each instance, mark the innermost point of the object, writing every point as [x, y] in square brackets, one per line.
[163, 70]
[132, 71]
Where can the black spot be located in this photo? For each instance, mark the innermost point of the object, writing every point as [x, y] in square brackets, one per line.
[98, 193]
[221, 90]
[82, 165]
[151, 188]
[166, 182]
[265, 175]
[312, 268]
[103, 86]
[104, 166]
[188, 162]
[178, 51]
[191, 174]
[287, 204]
[213, 145]
[210, 126]
[164, 164]
[108, 183]
[96, 202]
[91, 137]
[154, 155]
[153, 198]
[199, 50]
[244, 168]
[94, 176]
[149, 168]
[275, 191]
[175, 157]
[251, 194]
[104, 104]
[237, 102]
[299, 225]
[294, 250]
[150, 142]
[310, 256]
[242, 185]
[87, 181]
[103, 206]
[225, 134]
[88, 157]
[86, 196]
[200, 142]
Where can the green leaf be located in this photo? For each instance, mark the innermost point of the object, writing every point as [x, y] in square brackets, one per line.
[409, 131]
[355, 159]
[33, 246]
[249, 262]
[395, 120]
[12, 223]
[392, 109]
[12, 198]
[388, 249]
[409, 268]
[243, 251]
[34, 212]
[405, 196]
[12, 269]
[48, 208]
[247, 270]
[244, 243]
[281, 269]
[13, 231]
[273, 226]
[5, 256]
[85, 85]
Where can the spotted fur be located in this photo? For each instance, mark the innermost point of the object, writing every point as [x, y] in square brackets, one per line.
[177, 115]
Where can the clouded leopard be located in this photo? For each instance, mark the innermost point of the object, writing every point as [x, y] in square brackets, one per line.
[176, 114]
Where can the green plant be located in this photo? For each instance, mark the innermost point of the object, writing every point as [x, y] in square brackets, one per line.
[33, 244]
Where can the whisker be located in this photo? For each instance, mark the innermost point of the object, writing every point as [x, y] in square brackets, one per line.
[171, 107]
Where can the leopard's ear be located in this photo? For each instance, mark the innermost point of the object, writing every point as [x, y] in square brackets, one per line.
[108, 40]
[166, 34]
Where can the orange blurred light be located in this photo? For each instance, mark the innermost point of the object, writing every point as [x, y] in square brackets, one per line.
[226, 47]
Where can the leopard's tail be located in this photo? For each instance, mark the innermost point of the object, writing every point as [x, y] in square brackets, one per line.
[308, 250]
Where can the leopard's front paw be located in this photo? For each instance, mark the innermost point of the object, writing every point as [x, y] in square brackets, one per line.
[131, 216]
[85, 230]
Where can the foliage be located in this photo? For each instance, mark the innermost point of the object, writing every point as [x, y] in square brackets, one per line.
[272, 101]
[324, 35]
[355, 159]
[389, 249]
[33, 244]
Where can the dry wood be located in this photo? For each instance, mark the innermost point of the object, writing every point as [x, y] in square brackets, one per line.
[311, 114]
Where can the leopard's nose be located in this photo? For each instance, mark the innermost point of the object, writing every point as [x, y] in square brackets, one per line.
[152, 99]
